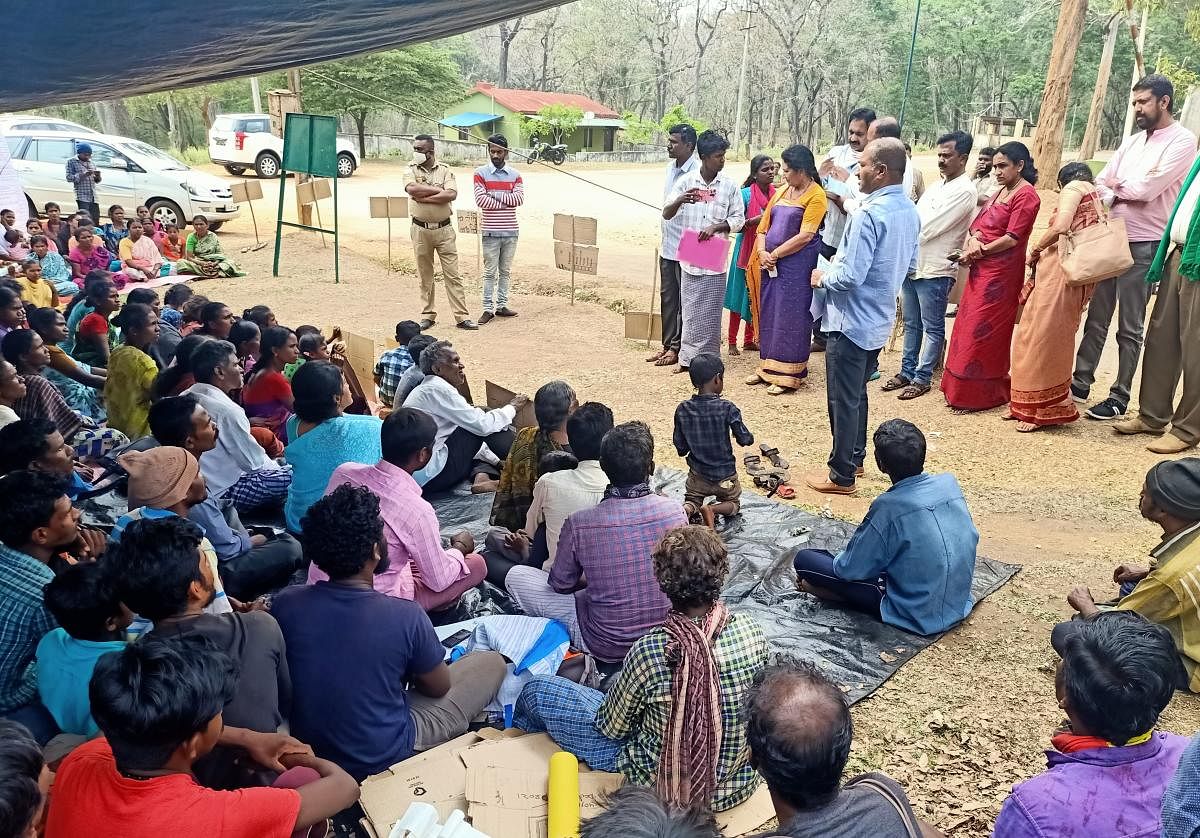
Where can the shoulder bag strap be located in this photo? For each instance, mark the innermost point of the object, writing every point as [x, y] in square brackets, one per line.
[904, 812]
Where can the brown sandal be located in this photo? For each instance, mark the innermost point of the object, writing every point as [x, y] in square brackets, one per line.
[772, 453]
[914, 391]
[895, 383]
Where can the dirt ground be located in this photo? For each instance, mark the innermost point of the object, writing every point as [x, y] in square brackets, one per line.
[965, 719]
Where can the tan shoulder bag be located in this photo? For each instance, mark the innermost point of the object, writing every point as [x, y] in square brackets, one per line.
[1095, 253]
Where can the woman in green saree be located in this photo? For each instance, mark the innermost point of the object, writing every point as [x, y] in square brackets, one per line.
[202, 255]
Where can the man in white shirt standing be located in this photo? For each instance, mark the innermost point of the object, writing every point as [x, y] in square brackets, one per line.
[238, 468]
[1141, 183]
[946, 210]
[681, 148]
[1173, 338]
[839, 176]
[709, 202]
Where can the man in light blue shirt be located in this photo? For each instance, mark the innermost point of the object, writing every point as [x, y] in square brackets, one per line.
[911, 561]
[878, 251]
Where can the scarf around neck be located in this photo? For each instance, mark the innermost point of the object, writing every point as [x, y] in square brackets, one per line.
[1070, 743]
[1189, 265]
[691, 748]
[639, 490]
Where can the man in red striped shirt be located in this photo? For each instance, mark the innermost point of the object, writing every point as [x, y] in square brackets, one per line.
[499, 190]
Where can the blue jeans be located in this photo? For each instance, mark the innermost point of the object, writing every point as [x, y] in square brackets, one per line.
[498, 253]
[567, 711]
[36, 719]
[816, 568]
[924, 304]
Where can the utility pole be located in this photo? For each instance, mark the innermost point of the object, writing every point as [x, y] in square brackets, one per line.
[1052, 118]
[1139, 63]
[741, 94]
[255, 96]
[1091, 134]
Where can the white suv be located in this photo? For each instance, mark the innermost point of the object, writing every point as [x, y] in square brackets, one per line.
[241, 141]
[134, 174]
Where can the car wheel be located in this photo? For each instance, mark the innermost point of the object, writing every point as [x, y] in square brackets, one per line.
[267, 165]
[166, 212]
[215, 225]
[345, 165]
[236, 170]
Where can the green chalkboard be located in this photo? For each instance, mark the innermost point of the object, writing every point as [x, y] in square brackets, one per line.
[310, 144]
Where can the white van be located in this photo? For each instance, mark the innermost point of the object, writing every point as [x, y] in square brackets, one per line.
[132, 173]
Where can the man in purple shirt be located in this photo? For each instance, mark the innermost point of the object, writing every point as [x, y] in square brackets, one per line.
[1109, 766]
[1140, 183]
[602, 586]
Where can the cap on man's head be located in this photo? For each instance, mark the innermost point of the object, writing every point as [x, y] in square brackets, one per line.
[160, 477]
[1174, 486]
[83, 148]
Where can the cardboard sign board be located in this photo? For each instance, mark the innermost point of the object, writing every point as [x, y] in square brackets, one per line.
[314, 190]
[574, 228]
[586, 259]
[360, 352]
[245, 191]
[437, 777]
[468, 221]
[498, 396]
[635, 325]
[389, 207]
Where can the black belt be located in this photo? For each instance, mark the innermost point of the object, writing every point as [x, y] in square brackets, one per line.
[432, 225]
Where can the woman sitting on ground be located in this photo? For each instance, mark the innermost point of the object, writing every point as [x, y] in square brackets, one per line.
[267, 394]
[55, 269]
[463, 429]
[322, 437]
[139, 256]
[89, 255]
[116, 230]
[178, 376]
[95, 338]
[132, 371]
[553, 404]
[26, 351]
[78, 308]
[673, 718]
[203, 255]
[261, 316]
[246, 338]
[12, 390]
[79, 384]
[216, 320]
[12, 309]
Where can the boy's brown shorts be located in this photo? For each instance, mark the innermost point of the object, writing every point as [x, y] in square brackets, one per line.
[698, 488]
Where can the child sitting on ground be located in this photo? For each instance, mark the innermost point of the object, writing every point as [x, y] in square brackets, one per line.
[173, 300]
[92, 622]
[190, 310]
[703, 424]
[171, 244]
[158, 704]
[312, 348]
[395, 362]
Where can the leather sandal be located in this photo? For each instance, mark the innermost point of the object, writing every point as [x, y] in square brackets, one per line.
[913, 391]
[772, 453]
[896, 382]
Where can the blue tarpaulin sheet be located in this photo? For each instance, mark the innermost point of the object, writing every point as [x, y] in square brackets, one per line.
[82, 56]
[466, 120]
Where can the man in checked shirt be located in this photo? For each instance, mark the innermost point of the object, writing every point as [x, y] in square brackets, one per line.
[703, 424]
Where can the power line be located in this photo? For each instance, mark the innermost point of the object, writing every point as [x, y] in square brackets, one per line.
[472, 141]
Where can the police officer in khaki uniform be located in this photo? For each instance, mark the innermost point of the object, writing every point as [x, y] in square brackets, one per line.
[431, 188]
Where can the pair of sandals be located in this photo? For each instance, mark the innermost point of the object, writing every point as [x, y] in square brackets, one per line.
[908, 389]
[774, 390]
[774, 477]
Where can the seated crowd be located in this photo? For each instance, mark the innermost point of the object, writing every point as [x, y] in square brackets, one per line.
[255, 631]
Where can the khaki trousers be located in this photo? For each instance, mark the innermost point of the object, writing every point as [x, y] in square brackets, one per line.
[441, 241]
[474, 681]
[1173, 350]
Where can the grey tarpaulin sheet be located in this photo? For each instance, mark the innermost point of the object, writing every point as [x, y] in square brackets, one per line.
[849, 647]
[186, 44]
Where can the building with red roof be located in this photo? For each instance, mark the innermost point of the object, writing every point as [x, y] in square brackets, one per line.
[488, 109]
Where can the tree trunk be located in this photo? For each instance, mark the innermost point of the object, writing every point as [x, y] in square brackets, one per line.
[173, 124]
[360, 122]
[508, 34]
[1091, 135]
[1048, 145]
[114, 117]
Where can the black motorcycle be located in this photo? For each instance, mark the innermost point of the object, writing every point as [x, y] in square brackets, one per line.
[556, 154]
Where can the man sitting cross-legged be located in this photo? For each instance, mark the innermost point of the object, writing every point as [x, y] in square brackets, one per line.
[419, 567]
[238, 468]
[1108, 768]
[352, 650]
[250, 565]
[159, 705]
[911, 560]
[602, 585]
[674, 716]
[1165, 590]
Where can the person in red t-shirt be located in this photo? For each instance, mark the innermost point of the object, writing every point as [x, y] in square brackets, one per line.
[158, 704]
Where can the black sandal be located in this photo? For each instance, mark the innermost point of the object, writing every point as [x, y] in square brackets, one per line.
[772, 453]
[914, 391]
[896, 382]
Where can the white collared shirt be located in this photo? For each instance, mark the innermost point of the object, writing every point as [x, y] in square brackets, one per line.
[726, 206]
[559, 494]
[451, 411]
[237, 452]
[946, 209]
[672, 230]
[1183, 216]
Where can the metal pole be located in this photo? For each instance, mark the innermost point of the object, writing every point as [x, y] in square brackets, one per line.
[255, 96]
[337, 264]
[912, 49]
[741, 94]
[653, 289]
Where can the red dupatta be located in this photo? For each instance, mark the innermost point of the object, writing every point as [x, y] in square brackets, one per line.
[758, 204]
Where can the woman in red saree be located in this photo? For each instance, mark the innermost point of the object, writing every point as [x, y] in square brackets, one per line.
[1043, 356]
[976, 374]
[742, 289]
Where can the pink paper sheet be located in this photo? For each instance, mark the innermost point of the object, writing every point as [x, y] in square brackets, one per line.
[712, 255]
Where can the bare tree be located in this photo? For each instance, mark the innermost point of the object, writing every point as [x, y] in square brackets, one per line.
[508, 33]
[659, 30]
[548, 25]
[704, 30]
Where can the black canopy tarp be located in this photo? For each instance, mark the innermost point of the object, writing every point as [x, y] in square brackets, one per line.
[60, 52]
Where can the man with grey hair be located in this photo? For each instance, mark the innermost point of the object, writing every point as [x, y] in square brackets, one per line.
[878, 251]
[799, 731]
[637, 812]
[471, 442]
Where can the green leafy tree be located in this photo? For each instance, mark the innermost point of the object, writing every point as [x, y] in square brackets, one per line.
[422, 79]
[637, 131]
[677, 115]
[556, 120]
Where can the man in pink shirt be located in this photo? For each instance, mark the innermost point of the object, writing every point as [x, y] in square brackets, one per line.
[1141, 183]
[421, 569]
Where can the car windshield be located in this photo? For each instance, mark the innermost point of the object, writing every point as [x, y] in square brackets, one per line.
[162, 161]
